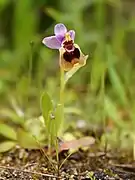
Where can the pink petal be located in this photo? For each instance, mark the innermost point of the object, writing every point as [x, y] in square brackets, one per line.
[60, 29]
[60, 38]
[51, 42]
[72, 34]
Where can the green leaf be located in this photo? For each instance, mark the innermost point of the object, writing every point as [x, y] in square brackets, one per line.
[115, 79]
[3, 4]
[98, 69]
[46, 107]
[53, 13]
[7, 131]
[38, 126]
[112, 111]
[73, 110]
[6, 145]
[27, 140]
[25, 23]
[118, 85]
[12, 116]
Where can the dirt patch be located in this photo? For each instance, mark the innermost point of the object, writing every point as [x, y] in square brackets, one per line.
[21, 164]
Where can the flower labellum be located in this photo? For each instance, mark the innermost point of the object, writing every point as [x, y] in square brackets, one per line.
[70, 53]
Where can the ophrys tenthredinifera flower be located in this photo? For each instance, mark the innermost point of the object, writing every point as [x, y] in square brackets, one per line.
[70, 53]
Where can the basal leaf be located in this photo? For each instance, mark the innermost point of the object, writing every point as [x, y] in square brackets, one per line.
[6, 146]
[7, 131]
[58, 118]
[46, 107]
[27, 140]
[11, 116]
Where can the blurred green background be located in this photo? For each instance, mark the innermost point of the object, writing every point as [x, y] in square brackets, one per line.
[102, 93]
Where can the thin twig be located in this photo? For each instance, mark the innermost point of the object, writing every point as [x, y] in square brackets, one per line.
[27, 171]
[65, 160]
[28, 165]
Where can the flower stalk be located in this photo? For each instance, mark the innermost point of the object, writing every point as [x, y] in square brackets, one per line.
[62, 87]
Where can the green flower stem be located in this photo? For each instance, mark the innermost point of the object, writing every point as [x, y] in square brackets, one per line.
[62, 86]
[61, 101]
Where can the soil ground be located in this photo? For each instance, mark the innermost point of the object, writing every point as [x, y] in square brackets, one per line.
[21, 164]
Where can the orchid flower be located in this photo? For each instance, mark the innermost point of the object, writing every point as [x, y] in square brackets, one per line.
[70, 53]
